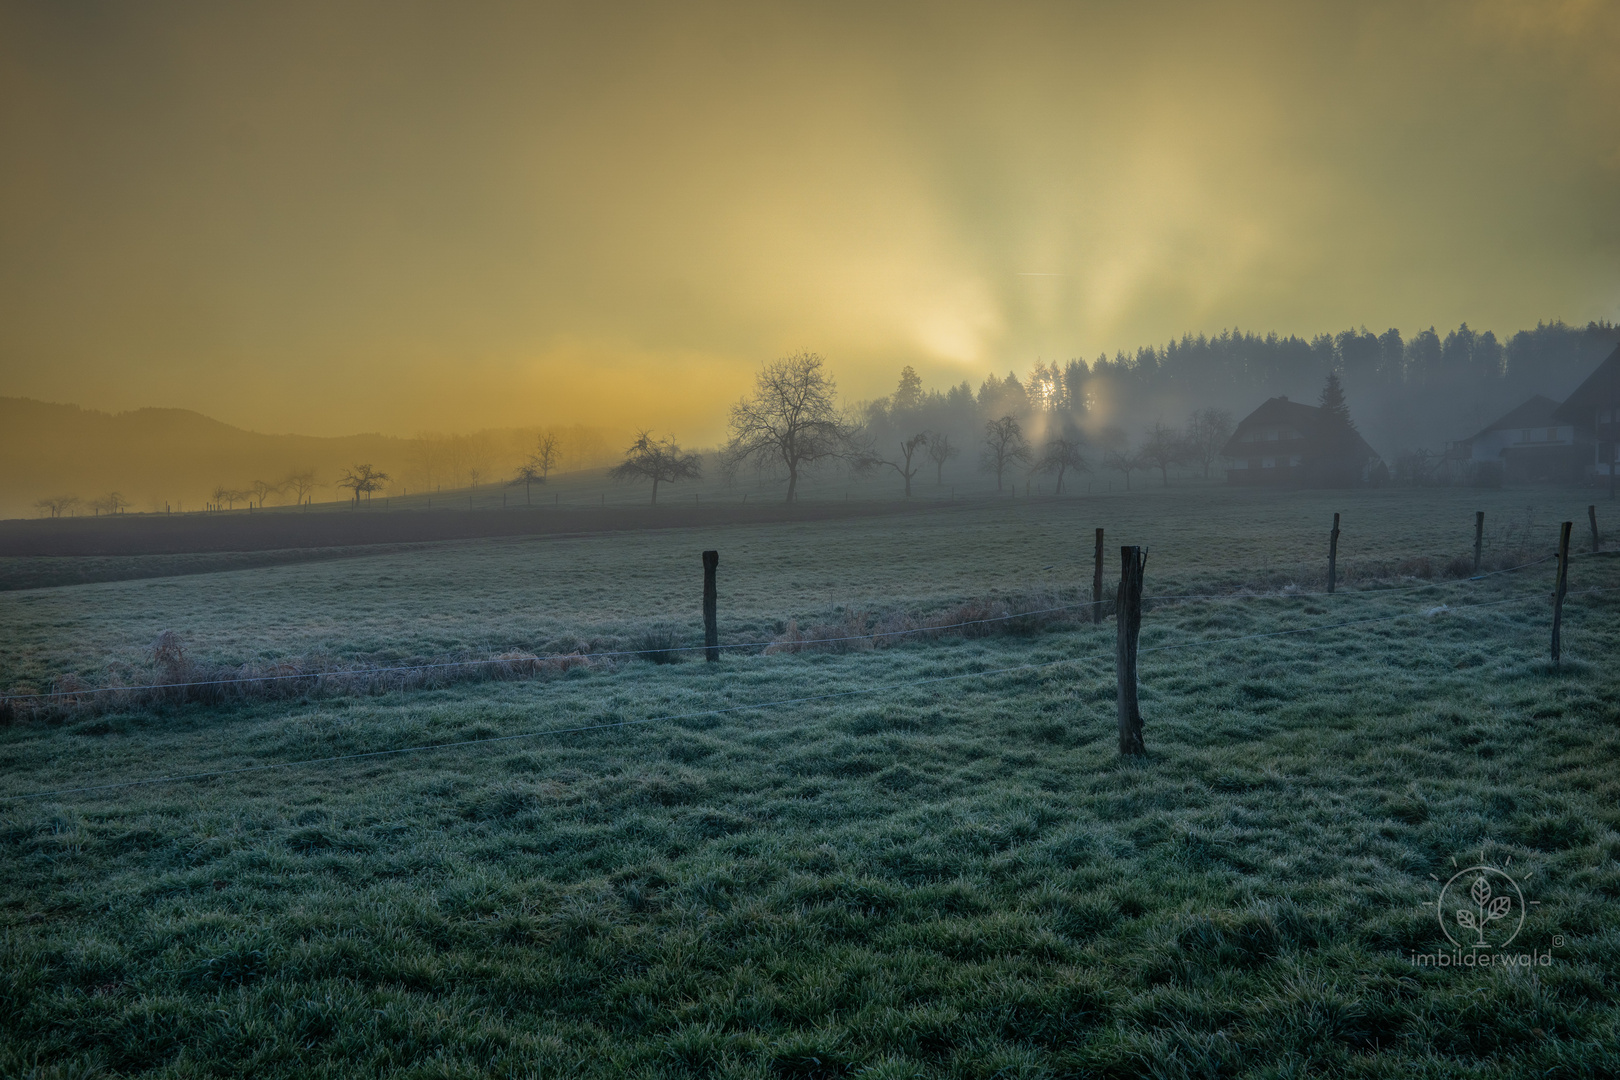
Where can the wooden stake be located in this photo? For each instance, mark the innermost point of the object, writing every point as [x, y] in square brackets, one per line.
[1559, 590]
[1597, 541]
[711, 623]
[1479, 536]
[1128, 617]
[1333, 555]
[1096, 582]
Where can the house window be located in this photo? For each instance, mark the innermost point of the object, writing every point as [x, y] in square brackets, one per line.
[1268, 463]
[1294, 460]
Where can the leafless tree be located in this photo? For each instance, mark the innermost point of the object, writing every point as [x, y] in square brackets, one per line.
[1207, 431]
[1123, 461]
[908, 451]
[790, 420]
[940, 451]
[1004, 445]
[112, 503]
[660, 460]
[263, 489]
[1063, 454]
[302, 483]
[362, 479]
[547, 451]
[222, 494]
[56, 505]
[1163, 448]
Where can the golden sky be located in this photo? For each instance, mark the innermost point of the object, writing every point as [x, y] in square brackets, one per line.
[335, 217]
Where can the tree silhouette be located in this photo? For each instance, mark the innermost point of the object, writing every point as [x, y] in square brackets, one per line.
[940, 451]
[55, 505]
[362, 480]
[660, 460]
[1207, 431]
[1124, 462]
[263, 489]
[1063, 454]
[908, 450]
[1162, 449]
[789, 420]
[302, 483]
[1003, 446]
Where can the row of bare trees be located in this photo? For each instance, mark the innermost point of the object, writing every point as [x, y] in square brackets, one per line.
[57, 505]
[791, 423]
[300, 483]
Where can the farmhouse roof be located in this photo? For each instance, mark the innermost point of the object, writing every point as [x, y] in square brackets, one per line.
[1536, 412]
[1280, 412]
[1601, 390]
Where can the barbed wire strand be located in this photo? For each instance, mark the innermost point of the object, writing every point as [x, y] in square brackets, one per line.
[781, 644]
[864, 691]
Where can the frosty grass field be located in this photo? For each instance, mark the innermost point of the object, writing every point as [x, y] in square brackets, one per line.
[956, 877]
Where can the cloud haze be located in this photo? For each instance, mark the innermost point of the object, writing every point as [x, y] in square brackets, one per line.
[330, 218]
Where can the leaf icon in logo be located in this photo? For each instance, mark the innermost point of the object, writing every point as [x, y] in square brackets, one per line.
[1499, 907]
[1481, 890]
[1465, 919]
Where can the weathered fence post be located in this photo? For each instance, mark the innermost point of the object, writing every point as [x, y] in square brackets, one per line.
[1333, 555]
[1096, 582]
[1128, 619]
[1560, 589]
[711, 626]
[1479, 536]
[1591, 515]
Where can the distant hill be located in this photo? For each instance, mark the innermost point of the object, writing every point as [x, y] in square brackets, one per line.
[176, 457]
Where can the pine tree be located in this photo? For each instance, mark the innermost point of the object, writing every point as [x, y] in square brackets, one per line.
[1336, 436]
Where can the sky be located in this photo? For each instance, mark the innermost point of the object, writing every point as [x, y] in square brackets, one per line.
[336, 217]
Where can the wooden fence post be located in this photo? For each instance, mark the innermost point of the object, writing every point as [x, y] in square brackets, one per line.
[1597, 541]
[1128, 619]
[1333, 555]
[1479, 536]
[1559, 590]
[1096, 582]
[711, 625]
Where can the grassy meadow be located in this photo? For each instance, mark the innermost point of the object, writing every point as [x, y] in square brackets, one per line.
[944, 870]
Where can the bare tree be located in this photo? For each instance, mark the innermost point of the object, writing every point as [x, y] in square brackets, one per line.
[790, 420]
[55, 505]
[1207, 431]
[547, 450]
[1162, 449]
[908, 450]
[660, 460]
[940, 451]
[112, 503]
[1063, 454]
[1123, 461]
[362, 479]
[302, 483]
[263, 489]
[1004, 445]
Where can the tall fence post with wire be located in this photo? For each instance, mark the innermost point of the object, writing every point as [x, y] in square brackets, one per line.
[1096, 582]
[1559, 589]
[711, 622]
[1128, 621]
[1333, 555]
[1597, 541]
[1479, 537]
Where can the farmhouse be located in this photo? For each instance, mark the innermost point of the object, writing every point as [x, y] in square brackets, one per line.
[1282, 442]
[1593, 412]
[1526, 444]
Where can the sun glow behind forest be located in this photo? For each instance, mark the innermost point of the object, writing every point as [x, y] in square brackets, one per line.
[396, 217]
